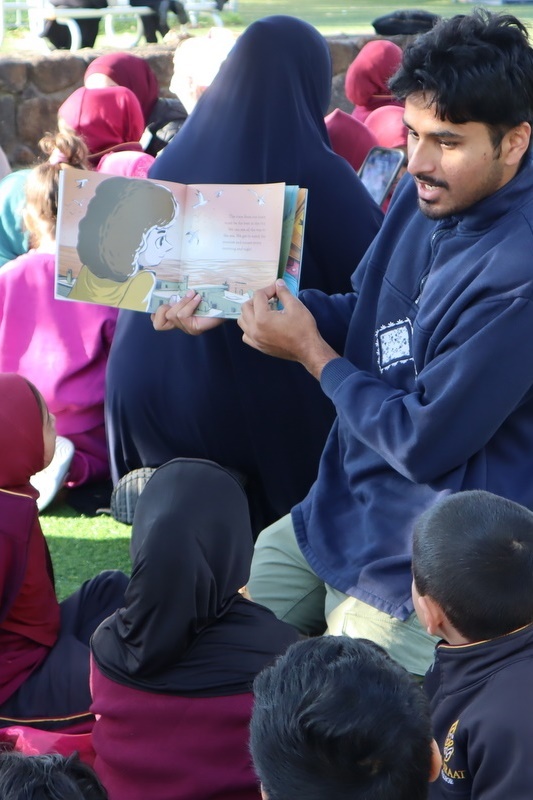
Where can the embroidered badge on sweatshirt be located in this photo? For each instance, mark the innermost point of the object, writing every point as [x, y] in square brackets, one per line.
[394, 344]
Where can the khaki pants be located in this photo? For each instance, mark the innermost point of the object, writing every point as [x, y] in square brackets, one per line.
[282, 580]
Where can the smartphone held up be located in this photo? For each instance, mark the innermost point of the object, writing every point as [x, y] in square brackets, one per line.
[380, 169]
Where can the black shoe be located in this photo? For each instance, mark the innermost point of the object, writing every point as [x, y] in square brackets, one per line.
[126, 493]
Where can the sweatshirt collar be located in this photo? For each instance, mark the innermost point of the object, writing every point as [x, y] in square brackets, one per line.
[513, 194]
[471, 662]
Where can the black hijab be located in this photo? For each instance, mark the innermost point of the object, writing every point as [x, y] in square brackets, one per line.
[262, 120]
[185, 629]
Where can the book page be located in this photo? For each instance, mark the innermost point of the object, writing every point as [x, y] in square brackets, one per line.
[113, 235]
[231, 243]
[139, 246]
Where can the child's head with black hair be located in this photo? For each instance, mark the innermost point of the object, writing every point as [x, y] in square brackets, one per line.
[47, 777]
[473, 567]
[337, 718]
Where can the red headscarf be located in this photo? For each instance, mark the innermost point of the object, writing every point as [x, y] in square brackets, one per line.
[29, 611]
[386, 123]
[366, 82]
[130, 71]
[349, 138]
[21, 435]
[107, 119]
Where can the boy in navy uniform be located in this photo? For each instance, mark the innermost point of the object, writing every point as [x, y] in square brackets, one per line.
[473, 587]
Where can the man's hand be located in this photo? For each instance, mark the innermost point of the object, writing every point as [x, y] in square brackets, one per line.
[180, 316]
[291, 334]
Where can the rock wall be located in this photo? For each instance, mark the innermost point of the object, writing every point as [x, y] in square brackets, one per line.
[33, 86]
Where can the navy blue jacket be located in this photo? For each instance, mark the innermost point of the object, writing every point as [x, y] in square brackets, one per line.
[481, 698]
[434, 393]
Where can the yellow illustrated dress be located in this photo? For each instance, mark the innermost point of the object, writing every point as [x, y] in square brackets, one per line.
[134, 293]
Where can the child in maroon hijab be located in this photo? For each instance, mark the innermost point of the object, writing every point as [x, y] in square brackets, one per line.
[366, 82]
[109, 120]
[163, 116]
[44, 644]
[387, 125]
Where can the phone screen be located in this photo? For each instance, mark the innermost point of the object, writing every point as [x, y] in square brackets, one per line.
[380, 169]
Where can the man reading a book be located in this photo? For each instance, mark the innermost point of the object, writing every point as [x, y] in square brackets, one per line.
[428, 361]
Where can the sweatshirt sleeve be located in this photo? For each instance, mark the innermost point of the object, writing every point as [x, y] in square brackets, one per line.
[498, 745]
[332, 314]
[478, 374]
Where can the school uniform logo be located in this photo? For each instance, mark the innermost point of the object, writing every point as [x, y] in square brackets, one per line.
[449, 773]
[394, 344]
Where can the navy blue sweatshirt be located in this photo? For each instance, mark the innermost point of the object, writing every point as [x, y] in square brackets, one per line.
[481, 700]
[434, 391]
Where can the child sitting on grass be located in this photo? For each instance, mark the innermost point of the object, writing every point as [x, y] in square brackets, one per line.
[473, 586]
[44, 644]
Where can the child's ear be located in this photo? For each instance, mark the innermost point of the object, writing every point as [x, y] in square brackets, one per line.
[436, 762]
[432, 614]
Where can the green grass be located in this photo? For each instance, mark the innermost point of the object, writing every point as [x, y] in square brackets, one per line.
[83, 546]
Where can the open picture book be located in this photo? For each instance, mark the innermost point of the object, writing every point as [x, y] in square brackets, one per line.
[138, 243]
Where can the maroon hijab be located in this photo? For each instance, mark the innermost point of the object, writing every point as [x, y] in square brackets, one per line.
[349, 138]
[130, 71]
[21, 456]
[108, 119]
[21, 435]
[366, 82]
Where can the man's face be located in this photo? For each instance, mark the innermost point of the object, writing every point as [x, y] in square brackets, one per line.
[454, 166]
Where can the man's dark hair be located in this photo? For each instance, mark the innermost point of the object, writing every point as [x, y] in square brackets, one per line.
[474, 68]
[337, 718]
[473, 555]
[47, 777]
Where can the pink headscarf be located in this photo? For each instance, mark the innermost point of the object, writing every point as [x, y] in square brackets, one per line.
[107, 119]
[128, 164]
[366, 82]
[130, 71]
[386, 123]
[349, 138]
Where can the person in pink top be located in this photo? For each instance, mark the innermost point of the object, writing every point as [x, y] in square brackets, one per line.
[349, 138]
[366, 81]
[61, 347]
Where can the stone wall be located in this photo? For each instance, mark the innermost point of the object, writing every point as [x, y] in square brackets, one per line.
[33, 86]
